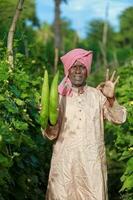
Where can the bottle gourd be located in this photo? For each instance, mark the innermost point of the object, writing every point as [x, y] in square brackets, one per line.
[49, 101]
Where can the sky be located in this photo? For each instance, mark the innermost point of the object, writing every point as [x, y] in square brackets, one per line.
[80, 12]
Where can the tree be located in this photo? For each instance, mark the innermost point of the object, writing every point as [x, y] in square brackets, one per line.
[126, 26]
[94, 38]
[103, 44]
[12, 31]
[123, 39]
[68, 35]
[7, 9]
[57, 30]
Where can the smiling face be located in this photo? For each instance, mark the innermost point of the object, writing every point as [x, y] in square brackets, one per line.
[78, 74]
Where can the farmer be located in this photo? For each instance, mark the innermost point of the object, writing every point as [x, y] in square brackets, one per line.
[78, 166]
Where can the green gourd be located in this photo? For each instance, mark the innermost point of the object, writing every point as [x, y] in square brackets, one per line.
[44, 114]
[54, 100]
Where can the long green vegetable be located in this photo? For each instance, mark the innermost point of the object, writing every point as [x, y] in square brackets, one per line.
[54, 100]
[44, 114]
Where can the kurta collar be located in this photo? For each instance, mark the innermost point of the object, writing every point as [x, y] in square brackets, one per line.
[76, 90]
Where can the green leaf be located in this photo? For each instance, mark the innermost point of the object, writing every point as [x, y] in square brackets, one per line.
[19, 125]
[2, 98]
[126, 154]
[128, 183]
[3, 71]
[10, 106]
[19, 102]
[28, 141]
[129, 168]
[4, 161]
[15, 90]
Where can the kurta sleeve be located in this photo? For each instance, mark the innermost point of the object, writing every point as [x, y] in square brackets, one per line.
[52, 132]
[116, 114]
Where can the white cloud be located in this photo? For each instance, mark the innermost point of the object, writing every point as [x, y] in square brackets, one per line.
[82, 11]
[74, 5]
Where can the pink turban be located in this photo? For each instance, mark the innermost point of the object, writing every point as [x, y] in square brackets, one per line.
[85, 57]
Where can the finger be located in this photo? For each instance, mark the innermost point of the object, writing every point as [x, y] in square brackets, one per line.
[107, 75]
[112, 77]
[100, 85]
[117, 79]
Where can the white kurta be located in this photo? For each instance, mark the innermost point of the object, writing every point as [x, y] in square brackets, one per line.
[78, 166]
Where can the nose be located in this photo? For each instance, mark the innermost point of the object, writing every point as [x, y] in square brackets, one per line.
[78, 69]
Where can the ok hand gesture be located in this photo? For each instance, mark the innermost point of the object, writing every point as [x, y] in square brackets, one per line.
[108, 87]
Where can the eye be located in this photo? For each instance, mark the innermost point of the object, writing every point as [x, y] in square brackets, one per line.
[83, 68]
[73, 68]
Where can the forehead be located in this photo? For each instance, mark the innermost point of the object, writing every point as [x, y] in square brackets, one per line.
[77, 62]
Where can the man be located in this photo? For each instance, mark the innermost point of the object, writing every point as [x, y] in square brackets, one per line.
[78, 166]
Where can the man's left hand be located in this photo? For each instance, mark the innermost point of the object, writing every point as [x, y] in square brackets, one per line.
[108, 87]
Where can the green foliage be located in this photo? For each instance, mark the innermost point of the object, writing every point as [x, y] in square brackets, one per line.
[94, 31]
[24, 153]
[119, 44]
[119, 139]
[126, 26]
[68, 34]
[8, 7]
